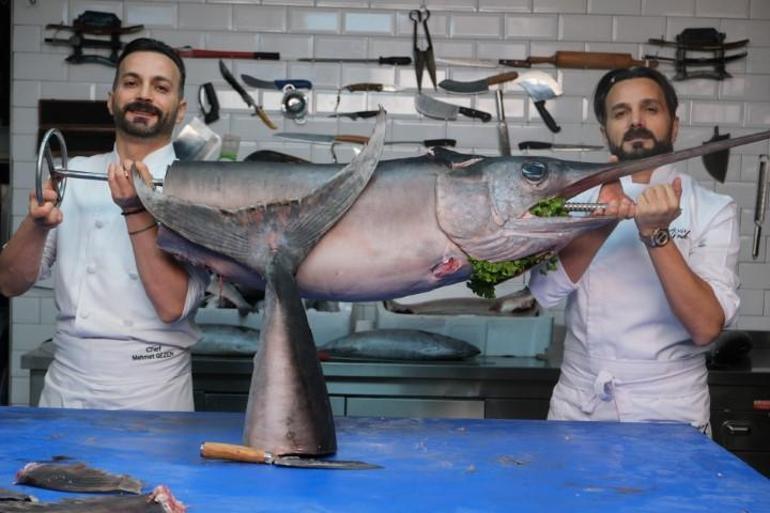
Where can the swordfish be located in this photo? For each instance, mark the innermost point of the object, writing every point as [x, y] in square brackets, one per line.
[371, 230]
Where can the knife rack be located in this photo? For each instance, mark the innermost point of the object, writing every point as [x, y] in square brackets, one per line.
[87, 125]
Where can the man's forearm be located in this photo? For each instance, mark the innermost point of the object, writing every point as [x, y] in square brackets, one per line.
[164, 279]
[21, 257]
[578, 254]
[691, 299]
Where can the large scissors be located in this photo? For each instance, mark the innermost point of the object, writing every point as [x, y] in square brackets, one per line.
[422, 58]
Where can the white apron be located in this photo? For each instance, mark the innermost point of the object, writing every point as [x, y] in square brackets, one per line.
[118, 374]
[632, 390]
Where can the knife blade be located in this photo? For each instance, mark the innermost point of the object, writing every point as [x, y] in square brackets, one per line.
[396, 61]
[355, 139]
[369, 87]
[242, 453]
[363, 114]
[440, 110]
[275, 84]
[477, 86]
[258, 110]
[543, 145]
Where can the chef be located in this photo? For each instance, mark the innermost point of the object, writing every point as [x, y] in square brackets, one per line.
[646, 295]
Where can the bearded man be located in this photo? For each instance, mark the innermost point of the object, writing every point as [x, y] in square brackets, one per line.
[124, 325]
[647, 294]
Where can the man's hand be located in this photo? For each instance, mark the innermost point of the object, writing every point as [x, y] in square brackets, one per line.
[619, 205]
[658, 206]
[122, 185]
[47, 215]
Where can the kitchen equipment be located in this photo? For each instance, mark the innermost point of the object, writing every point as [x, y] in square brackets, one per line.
[540, 86]
[477, 86]
[440, 110]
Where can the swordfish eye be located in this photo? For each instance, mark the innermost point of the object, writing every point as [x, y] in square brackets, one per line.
[534, 171]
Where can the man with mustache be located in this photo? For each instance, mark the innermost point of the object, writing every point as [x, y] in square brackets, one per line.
[646, 295]
[125, 308]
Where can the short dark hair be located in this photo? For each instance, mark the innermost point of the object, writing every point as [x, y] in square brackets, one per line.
[146, 44]
[618, 75]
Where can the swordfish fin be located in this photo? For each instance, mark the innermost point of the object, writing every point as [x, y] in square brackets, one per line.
[253, 234]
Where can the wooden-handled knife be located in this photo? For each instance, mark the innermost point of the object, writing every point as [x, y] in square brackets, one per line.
[242, 453]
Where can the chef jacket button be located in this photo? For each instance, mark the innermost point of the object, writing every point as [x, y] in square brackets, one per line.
[133, 275]
[84, 315]
[91, 269]
[128, 322]
[98, 223]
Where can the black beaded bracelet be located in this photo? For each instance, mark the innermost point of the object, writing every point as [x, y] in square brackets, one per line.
[134, 211]
[140, 230]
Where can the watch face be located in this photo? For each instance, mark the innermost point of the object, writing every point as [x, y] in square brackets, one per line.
[660, 237]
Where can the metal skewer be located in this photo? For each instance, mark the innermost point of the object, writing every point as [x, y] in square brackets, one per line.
[584, 207]
[59, 175]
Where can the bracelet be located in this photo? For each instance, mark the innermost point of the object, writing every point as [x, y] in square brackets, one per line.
[140, 230]
[134, 211]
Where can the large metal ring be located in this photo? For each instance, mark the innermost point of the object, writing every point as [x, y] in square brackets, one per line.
[59, 182]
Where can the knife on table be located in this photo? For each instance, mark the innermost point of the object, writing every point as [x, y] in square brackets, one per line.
[275, 84]
[543, 145]
[247, 454]
[441, 110]
[477, 86]
[258, 110]
[356, 139]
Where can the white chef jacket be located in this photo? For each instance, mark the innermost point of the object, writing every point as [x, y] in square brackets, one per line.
[626, 355]
[111, 349]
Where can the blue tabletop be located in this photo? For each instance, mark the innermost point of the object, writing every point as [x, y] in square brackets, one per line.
[430, 465]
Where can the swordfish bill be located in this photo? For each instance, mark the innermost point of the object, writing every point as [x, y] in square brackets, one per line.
[288, 410]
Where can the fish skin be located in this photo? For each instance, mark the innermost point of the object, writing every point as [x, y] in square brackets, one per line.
[160, 500]
[370, 231]
[517, 304]
[10, 495]
[226, 339]
[75, 477]
[398, 344]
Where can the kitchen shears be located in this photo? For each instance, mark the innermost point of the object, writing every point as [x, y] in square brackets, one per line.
[422, 58]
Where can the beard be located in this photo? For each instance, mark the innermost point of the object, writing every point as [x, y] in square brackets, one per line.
[164, 124]
[638, 151]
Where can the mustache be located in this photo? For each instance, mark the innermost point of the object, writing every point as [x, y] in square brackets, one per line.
[638, 133]
[142, 107]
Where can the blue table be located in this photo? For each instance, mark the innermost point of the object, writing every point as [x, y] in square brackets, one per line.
[430, 465]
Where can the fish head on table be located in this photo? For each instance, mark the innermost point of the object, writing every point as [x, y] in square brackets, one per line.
[483, 204]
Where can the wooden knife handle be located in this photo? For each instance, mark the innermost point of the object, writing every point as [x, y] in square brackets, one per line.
[364, 86]
[595, 60]
[502, 77]
[356, 139]
[233, 452]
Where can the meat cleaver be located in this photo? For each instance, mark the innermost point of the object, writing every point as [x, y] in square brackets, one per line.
[541, 86]
[247, 454]
[436, 109]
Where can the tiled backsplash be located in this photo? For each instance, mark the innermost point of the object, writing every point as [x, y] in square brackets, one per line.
[470, 29]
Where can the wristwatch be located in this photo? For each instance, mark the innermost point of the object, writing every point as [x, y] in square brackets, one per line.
[659, 237]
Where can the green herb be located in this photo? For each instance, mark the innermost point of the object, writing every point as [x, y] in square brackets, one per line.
[486, 275]
[551, 207]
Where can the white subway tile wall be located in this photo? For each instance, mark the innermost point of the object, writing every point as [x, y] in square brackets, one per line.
[470, 29]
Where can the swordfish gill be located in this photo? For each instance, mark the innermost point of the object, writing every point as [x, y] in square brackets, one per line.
[371, 230]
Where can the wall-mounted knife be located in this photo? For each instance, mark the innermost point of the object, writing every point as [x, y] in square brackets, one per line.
[363, 114]
[543, 145]
[760, 205]
[365, 87]
[477, 86]
[275, 84]
[356, 139]
[242, 453]
[258, 110]
[395, 61]
[436, 109]
[197, 53]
